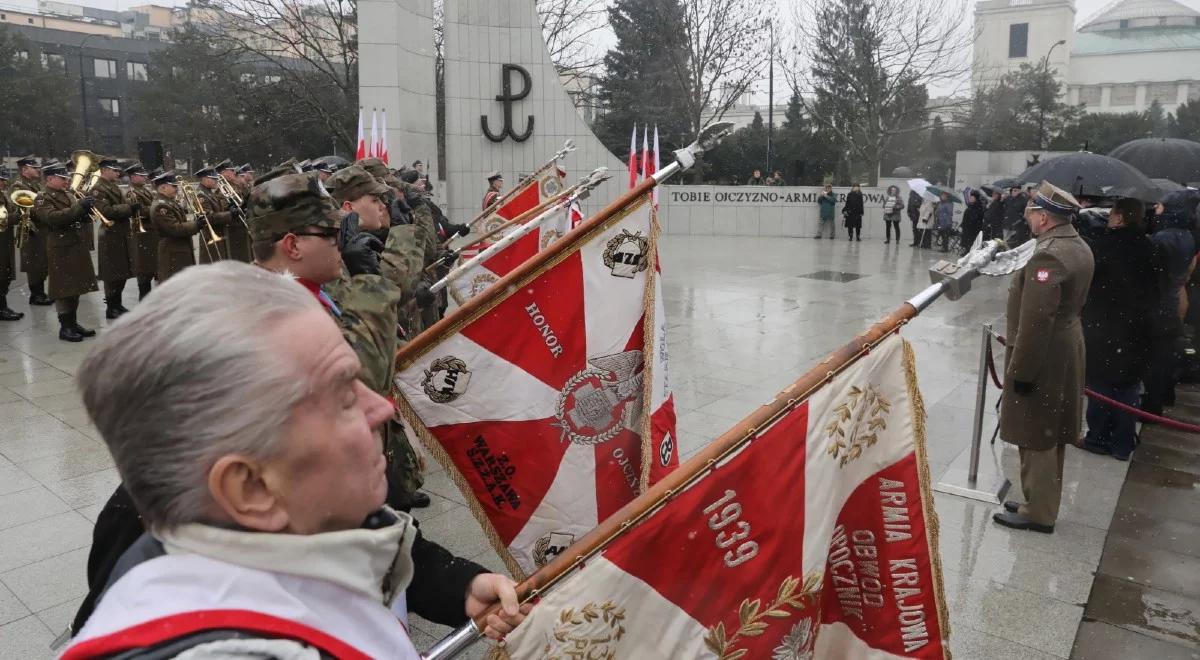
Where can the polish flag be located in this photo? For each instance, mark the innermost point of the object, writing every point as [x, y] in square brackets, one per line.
[360, 151]
[645, 152]
[633, 159]
[815, 539]
[373, 146]
[534, 402]
[663, 434]
[655, 163]
[383, 148]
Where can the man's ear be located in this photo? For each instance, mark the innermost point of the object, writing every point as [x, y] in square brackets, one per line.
[243, 493]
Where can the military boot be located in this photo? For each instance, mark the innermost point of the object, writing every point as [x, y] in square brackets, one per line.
[143, 288]
[83, 332]
[37, 294]
[7, 314]
[66, 329]
[111, 311]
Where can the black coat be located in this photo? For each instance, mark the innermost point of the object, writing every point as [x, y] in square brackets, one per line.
[1016, 230]
[993, 220]
[914, 206]
[972, 222]
[1117, 319]
[853, 210]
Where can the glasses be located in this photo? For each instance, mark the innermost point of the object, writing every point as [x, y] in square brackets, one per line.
[329, 234]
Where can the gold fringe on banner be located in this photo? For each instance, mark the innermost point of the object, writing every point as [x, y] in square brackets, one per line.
[649, 331]
[931, 518]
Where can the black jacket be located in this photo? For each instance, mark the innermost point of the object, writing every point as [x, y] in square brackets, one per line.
[993, 219]
[1016, 230]
[972, 221]
[1117, 318]
[914, 206]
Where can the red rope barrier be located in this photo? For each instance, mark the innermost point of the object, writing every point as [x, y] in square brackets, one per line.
[1136, 412]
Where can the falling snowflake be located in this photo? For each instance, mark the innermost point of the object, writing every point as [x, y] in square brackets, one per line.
[795, 644]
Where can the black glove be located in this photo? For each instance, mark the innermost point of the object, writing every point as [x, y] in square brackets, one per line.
[462, 230]
[349, 229]
[233, 208]
[135, 208]
[424, 296]
[447, 258]
[361, 255]
[1021, 387]
[87, 204]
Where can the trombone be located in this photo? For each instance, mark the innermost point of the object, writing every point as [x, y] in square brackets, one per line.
[137, 221]
[24, 199]
[232, 197]
[83, 163]
[191, 201]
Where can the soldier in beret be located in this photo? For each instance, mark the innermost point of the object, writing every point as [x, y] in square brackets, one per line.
[70, 264]
[116, 243]
[175, 227]
[145, 234]
[1044, 360]
[8, 265]
[33, 252]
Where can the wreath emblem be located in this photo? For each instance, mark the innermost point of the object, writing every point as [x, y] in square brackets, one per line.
[592, 631]
[754, 619]
[856, 423]
[625, 254]
[550, 186]
[601, 400]
[548, 237]
[446, 379]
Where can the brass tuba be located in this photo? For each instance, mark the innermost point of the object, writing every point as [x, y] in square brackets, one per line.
[83, 163]
[24, 200]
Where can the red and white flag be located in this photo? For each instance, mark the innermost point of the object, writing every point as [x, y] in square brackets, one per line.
[373, 146]
[633, 159]
[655, 163]
[360, 151]
[536, 405]
[383, 146]
[645, 152]
[663, 434]
[543, 186]
[817, 539]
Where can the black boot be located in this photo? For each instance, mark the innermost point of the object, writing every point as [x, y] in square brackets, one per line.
[83, 332]
[143, 288]
[66, 328]
[118, 294]
[7, 314]
[113, 310]
[37, 294]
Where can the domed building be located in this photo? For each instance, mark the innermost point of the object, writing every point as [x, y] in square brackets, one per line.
[1128, 55]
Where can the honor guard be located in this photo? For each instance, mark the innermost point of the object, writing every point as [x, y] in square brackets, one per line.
[495, 185]
[9, 219]
[238, 236]
[116, 242]
[1044, 360]
[33, 251]
[145, 234]
[175, 227]
[218, 211]
[64, 217]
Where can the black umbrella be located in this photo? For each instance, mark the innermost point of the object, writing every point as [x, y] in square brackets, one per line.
[1162, 158]
[1006, 184]
[1093, 175]
[1166, 185]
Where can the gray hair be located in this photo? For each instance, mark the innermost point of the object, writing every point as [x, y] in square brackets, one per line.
[189, 376]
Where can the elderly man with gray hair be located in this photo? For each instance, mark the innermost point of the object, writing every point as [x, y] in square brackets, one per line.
[251, 450]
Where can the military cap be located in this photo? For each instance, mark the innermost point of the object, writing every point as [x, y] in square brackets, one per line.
[321, 166]
[3, 174]
[379, 170]
[155, 172]
[410, 176]
[223, 165]
[493, 176]
[246, 168]
[28, 161]
[55, 168]
[288, 202]
[354, 183]
[165, 178]
[136, 169]
[1050, 197]
[109, 164]
[205, 172]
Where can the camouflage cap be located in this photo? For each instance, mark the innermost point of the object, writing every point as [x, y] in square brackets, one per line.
[379, 170]
[354, 183]
[288, 202]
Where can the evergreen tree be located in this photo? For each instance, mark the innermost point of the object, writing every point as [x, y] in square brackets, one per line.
[1156, 120]
[638, 86]
[1185, 123]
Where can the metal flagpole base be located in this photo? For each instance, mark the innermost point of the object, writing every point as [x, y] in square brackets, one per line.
[990, 484]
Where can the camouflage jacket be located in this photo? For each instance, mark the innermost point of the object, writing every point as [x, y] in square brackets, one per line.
[369, 306]
[403, 264]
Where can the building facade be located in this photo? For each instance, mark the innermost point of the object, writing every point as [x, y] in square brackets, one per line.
[1124, 58]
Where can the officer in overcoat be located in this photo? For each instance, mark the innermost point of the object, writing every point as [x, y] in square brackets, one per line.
[1044, 360]
[175, 228]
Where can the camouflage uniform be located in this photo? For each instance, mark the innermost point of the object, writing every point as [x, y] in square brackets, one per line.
[364, 306]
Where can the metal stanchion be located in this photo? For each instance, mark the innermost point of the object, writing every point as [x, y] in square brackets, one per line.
[963, 477]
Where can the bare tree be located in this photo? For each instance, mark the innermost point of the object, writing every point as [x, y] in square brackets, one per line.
[726, 51]
[310, 45]
[570, 28]
[862, 68]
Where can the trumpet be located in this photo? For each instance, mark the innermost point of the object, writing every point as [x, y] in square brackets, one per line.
[83, 163]
[232, 197]
[191, 198]
[131, 198]
[24, 199]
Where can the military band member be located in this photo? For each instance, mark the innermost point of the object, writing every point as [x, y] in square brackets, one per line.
[495, 185]
[116, 244]
[246, 174]
[219, 213]
[33, 252]
[175, 228]
[1044, 361]
[70, 265]
[8, 263]
[144, 252]
[237, 235]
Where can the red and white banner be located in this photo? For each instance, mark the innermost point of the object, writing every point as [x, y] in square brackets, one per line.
[534, 191]
[655, 163]
[663, 435]
[817, 539]
[536, 406]
[633, 159]
[383, 146]
[360, 151]
[373, 145]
